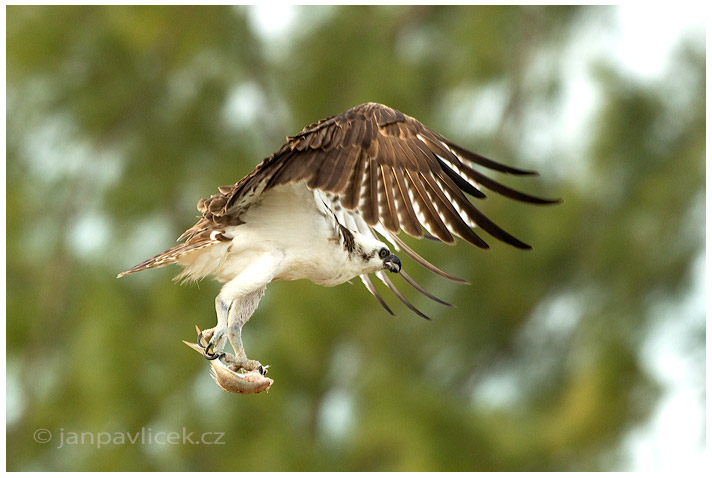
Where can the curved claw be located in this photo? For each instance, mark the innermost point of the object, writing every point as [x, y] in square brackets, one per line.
[211, 355]
[206, 348]
[200, 338]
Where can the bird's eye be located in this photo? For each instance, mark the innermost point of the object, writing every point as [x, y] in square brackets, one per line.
[383, 253]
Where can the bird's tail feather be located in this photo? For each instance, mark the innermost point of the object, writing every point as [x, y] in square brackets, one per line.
[167, 257]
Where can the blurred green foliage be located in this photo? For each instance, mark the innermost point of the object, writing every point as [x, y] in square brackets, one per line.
[120, 118]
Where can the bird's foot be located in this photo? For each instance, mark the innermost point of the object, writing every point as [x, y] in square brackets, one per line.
[243, 365]
[210, 340]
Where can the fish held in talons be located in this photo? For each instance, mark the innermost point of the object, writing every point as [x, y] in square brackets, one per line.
[231, 380]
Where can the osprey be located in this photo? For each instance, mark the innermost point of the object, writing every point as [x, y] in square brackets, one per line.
[321, 208]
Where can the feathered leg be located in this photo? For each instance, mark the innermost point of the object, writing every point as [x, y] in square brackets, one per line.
[213, 340]
[235, 304]
[239, 313]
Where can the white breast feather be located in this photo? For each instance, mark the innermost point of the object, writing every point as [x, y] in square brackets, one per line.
[292, 223]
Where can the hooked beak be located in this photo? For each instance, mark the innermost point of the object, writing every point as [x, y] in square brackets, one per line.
[392, 263]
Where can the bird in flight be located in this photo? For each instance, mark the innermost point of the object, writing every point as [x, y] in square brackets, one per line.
[328, 207]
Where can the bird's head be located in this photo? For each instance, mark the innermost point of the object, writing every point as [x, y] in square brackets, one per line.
[375, 255]
[390, 260]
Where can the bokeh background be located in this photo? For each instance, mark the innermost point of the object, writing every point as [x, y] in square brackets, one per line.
[587, 353]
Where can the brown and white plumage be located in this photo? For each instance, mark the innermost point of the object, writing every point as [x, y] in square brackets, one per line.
[382, 171]
[371, 171]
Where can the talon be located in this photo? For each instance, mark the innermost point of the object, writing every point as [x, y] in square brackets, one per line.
[211, 355]
[208, 349]
[207, 334]
[243, 365]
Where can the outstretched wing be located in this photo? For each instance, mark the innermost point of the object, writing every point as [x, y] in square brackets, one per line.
[395, 173]
[383, 172]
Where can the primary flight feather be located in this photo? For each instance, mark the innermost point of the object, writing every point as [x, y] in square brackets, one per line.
[317, 208]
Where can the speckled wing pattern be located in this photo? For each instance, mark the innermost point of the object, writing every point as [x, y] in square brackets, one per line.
[382, 172]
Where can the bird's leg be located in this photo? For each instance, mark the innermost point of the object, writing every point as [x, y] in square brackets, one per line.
[213, 340]
[239, 313]
[236, 302]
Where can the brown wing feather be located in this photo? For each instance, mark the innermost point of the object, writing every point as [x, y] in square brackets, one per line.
[389, 217]
[433, 221]
[369, 197]
[352, 193]
[408, 218]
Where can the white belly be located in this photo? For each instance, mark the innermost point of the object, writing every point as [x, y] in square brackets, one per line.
[288, 225]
